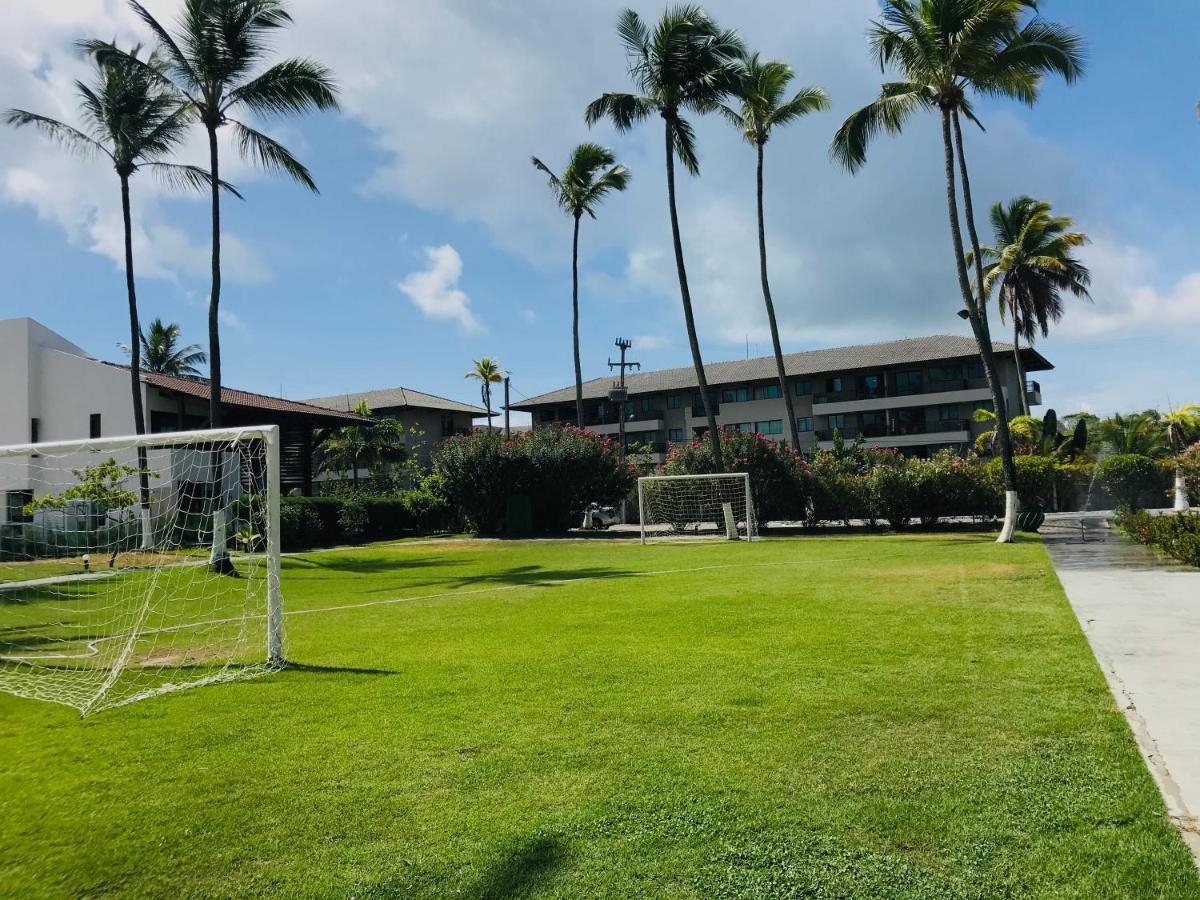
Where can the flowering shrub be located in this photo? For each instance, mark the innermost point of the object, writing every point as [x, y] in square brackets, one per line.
[780, 479]
[1189, 464]
[559, 468]
[1175, 535]
[1133, 481]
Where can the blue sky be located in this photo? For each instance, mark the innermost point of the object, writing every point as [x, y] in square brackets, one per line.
[434, 241]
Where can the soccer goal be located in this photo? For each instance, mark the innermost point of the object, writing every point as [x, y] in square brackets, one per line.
[705, 505]
[134, 566]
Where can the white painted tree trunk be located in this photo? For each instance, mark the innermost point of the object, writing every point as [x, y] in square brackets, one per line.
[1181, 492]
[1010, 518]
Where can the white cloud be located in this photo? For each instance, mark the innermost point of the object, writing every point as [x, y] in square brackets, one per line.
[652, 342]
[529, 314]
[435, 292]
[1126, 299]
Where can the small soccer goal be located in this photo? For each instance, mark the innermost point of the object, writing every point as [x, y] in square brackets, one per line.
[134, 566]
[716, 506]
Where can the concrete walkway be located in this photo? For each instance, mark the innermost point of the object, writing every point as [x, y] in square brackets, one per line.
[1142, 617]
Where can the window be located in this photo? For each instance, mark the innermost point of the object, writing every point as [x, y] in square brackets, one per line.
[735, 395]
[675, 435]
[775, 426]
[948, 412]
[35, 430]
[946, 373]
[674, 401]
[94, 425]
[908, 382]
[985, 404]
[647, 404]
[975, 370]
[833, 385]
[804, 388]
[837, 421]
[743, 427]
[14, 506]
[546, 416]
[447, 424]
[769, 392]
[804, 423]
[870, 386]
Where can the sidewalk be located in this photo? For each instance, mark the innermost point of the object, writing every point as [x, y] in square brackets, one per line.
[1141, 615]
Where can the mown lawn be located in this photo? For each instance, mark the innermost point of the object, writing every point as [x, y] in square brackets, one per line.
[819, 717]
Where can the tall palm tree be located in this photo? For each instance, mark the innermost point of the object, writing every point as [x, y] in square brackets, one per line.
[132, 118]
[212, 60]
[1181, 426]
[761, 107]
[944, 51]
[687, 64]
[161, 351]
[487, 372]
[591, 173]
[1031, 261]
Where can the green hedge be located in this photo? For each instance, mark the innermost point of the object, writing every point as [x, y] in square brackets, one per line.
[1134, 481]
[1176, 535]
[309, 522]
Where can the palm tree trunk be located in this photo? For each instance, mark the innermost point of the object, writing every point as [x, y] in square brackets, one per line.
[214, 301]
[219, 559]
[686, 297]
[575, 324]
[977, 316]
[1019, 365]
[135, 369]
[766, 289]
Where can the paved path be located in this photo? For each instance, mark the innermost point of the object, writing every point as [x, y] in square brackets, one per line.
[1142, 617]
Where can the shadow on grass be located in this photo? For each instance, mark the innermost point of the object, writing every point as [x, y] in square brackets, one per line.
[528, 576]
[308, 669]
[369, 565]
[520, 869]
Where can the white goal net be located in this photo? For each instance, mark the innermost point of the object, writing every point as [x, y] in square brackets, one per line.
[134, 566]
[704, 505]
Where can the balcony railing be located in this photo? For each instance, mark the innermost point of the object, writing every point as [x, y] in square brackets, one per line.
[897, 429]
[926, 387]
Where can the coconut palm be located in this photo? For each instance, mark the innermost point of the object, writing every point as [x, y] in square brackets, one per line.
[133, 119]
[213, 60]
[591, 173]
[1139, 434]
[487, 372]
[686, 64]
[762, 107]
[1031, 262]
[376, 447]
[1181, 426]
[946, 50]
[162, 353]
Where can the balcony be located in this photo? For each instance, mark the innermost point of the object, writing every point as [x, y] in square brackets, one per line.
[960, 428]
[1033, 393]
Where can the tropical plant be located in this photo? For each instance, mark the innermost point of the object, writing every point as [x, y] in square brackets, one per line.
[161, 351]
[101, 486]
[1137, 434]
[132, 118]
[686, 64]
[1182, 426]
[375, 447]
[212, 60]
[762, 106]
[591, 173]
[487, 372]
[1031, 262]
[945, 50]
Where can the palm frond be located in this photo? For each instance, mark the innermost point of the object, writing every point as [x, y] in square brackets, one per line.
[683, 140]
[178, 176]
[896, 102]
[69, 137]
[292, 86]
[623, 110]
[270, 154]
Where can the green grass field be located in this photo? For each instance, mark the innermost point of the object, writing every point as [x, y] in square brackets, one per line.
[913, 716]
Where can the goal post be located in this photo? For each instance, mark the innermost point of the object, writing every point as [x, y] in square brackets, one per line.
[109, 587]
[702, 505]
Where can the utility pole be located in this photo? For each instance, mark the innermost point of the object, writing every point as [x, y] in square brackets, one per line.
[507, 426]
[619, 394]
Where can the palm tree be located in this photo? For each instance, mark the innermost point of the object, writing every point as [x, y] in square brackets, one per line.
[687, 64]
[161, 351]
[1139, 434]
[212, 61]
[1032, 262]
[590, 174]
[133, 119]
[377, 446]
[944, 50]
[487, 372]
[760, 109]
[1181, 426]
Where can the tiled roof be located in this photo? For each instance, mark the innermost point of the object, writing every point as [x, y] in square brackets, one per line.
[931, 348]
[395, 398]
[198, 388]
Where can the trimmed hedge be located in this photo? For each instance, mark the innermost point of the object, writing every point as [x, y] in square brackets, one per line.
[308, 522]
[1176, 535]
[1134, 481]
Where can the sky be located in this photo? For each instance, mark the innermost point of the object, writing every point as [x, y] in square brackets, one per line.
[434, 241]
